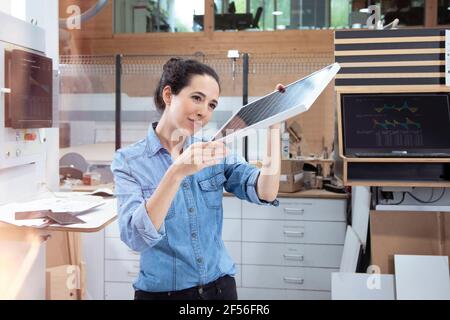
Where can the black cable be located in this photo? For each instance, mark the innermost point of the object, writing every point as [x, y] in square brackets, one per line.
[401, 201]
[431, 195]
[422, 201]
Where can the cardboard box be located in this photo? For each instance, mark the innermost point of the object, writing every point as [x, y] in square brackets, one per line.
[411, 233]
[291, 176]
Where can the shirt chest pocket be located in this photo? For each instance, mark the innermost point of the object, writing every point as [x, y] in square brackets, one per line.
[212, 189]
[148, 192]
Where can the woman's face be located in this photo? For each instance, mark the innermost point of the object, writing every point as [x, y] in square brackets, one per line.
[192, 107]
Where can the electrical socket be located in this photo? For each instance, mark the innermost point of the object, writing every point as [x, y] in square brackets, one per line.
[387, 195]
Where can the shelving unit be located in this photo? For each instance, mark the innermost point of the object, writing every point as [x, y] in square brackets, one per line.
[395, 62]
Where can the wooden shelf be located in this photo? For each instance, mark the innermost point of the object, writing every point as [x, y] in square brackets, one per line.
[402, 160]
[386, 183]
[396, 172]
[393, 89]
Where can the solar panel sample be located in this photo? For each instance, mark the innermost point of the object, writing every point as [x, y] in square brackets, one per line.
[278, 106]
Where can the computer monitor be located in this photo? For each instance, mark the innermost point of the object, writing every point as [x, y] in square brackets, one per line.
[396, 124]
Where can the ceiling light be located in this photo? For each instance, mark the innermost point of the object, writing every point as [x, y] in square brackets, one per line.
[277, 13]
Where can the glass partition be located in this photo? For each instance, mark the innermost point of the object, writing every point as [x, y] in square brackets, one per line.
[143, 16]
[87, 118]
[269, 15]
[87, 104]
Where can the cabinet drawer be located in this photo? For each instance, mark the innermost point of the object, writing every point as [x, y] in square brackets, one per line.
[234, 250]
[231, 230]
[312, 232]
[232, 207]
[298, 209]
[119, 291]
[115, 249]
[287, 277]
[112, 230]
[121, 270]
[281, 294]
[238, 275]
[284, 254]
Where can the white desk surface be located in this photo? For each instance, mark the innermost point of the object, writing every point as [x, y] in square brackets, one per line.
[96, 219]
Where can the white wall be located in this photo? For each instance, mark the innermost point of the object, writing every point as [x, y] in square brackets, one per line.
[5, 6]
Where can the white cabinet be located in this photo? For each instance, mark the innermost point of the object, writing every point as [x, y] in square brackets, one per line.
[288, 254]
[285, 252]
[121, 266]
[115, 249]
[234, 248]
[281, 294]
[232, 230]
[277, 277]
[278, 231]
[118, 291]
[297, 209]
[289, 251]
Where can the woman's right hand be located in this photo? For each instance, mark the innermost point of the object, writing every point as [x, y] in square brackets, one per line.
[198, 156]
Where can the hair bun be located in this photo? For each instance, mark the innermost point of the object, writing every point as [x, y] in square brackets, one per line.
[171, 63]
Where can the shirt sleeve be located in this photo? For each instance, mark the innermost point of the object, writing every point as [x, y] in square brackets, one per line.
[242, 179]
[136, 228]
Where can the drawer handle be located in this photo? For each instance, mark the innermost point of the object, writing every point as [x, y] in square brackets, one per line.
[293, 280]
[133, 274]
[296, 257]
[299, 234]
[294, 211]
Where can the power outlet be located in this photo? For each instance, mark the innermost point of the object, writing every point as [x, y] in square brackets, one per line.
[387, 195]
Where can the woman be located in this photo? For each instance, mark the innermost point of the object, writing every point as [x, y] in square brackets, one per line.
[169, 188]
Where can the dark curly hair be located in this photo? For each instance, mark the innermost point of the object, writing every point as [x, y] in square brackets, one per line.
[177, 74]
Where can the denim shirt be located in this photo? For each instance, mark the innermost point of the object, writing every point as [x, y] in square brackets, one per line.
[188, 249]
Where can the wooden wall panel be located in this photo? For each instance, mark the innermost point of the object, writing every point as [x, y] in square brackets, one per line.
[291, 41]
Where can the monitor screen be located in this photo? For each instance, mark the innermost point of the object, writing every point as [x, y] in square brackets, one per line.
[412, 123]
[278, 106]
